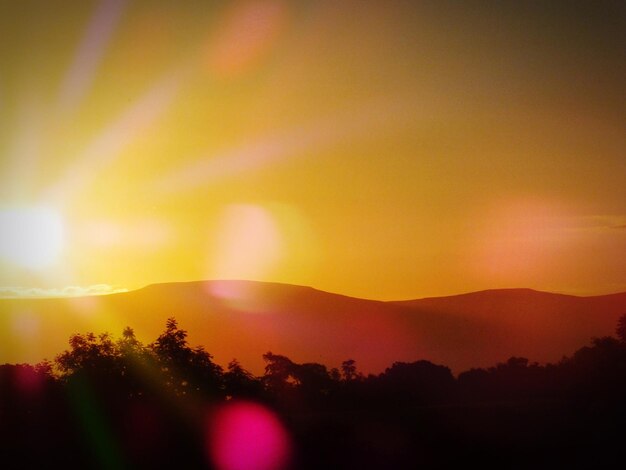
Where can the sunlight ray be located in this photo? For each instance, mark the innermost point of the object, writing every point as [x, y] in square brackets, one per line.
[90, 51]
[107, 146]
[23, 153]
[388, 114]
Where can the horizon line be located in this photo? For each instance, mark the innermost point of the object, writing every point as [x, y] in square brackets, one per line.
[74, 291]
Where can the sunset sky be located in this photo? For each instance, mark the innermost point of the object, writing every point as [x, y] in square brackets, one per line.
[384, 150]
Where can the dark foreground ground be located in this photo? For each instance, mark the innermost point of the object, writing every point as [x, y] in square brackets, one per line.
[113, 404]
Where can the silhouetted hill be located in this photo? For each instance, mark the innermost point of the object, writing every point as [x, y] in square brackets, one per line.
[245, 319]
[496, 324]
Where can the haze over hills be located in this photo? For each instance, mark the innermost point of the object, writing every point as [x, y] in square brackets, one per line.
[244, 319]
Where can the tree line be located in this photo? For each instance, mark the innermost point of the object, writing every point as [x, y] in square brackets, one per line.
[109, 398]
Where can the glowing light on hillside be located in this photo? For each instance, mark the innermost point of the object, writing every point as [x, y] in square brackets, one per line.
[269, 239]
[31, 237]
[247, 436]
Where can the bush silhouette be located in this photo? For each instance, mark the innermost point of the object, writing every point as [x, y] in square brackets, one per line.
[113, 402]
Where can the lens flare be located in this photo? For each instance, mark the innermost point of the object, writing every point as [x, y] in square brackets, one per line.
[247, 436]
[143, 235]
[247, 33]
[249, 244]
[523, 240]
[32, 237]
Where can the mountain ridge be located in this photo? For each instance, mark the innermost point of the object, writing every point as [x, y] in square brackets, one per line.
[413, 299]
[244, 319]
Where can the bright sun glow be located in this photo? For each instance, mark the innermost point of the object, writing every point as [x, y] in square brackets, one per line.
[31, 237]
[358, 151]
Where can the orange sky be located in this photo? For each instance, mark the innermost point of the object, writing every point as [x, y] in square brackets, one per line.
[384, 150]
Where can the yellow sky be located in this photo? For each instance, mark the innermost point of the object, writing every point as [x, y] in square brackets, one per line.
[379, 149]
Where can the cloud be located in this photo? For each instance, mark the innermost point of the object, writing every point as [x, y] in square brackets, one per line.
[598, 223]
[68, 291]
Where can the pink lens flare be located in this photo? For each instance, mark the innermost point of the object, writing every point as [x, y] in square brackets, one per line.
[247, 436]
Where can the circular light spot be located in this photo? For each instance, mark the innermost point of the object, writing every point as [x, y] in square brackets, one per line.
[247, 436]
[249, 244]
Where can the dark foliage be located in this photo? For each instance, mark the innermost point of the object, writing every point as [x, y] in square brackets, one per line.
[117, 403]
[620, 331]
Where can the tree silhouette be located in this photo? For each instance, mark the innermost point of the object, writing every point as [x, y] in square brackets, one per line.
[348, 370]
[238, 382]
[476, 384]
[185, 369]
[137, 362]
[376, 419]
[90, 354]
[620, 331]
[171, 346]
[278, 372]
[420, 381]
[312, 379]
[128, 344]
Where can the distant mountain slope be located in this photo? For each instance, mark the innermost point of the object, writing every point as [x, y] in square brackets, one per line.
[245, 319]
[479, 327]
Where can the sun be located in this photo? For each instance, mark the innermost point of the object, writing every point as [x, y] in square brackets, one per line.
[31, 237]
